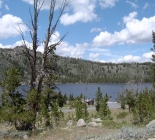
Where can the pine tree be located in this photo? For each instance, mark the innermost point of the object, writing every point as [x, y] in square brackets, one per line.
[86, 113]
[81, 110]
[12, 102]
[81, 96]
[144, 108]
[130, 98]
[98, 98]
[104, 111]
[121, 98]
[60, 100]
[48, 97]
[71, 97]
[65, 98]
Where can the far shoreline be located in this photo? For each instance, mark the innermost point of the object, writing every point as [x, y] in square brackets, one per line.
[95, 83]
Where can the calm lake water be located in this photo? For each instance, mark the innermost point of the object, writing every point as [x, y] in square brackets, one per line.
[77, 89]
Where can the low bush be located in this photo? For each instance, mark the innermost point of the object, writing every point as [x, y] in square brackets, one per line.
[112, 125]
[122, 115]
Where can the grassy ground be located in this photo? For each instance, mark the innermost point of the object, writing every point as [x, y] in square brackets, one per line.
[63, 132]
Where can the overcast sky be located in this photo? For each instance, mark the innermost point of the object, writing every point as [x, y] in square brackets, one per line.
[99, 30]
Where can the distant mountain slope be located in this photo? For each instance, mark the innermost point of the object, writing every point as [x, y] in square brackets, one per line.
[72, 70]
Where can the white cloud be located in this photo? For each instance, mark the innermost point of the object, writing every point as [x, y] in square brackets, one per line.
[99, 50]
[136, 31]
[129, 58]
[95, 30]
[46, 3]
[29, 1]
[9, 25]
[6, 46]
[108, 61]
[103, 39]
[65, 49]
[18, 43]
[77, 51]
[132, 4]
[129, 18]
[102, 61]
[146, 6]
[147, 56]
[54, 39]
[105, 52]
[79, 11]
[7, 7]
[93, 56]
[107, 3]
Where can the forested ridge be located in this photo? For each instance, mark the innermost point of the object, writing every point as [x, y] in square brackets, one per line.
[44, 113]
[72, 70]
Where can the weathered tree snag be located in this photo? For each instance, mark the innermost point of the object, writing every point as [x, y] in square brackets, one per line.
[38, 76]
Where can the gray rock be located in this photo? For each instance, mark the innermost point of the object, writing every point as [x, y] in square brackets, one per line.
[81, 123]
[99, 124]
[96, 120]
[25, 137]
[151, 124]
[94, 124]
[70, 123]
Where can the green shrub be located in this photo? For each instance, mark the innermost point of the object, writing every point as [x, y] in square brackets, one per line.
[112, 125]
[81, 110]
[121, 115]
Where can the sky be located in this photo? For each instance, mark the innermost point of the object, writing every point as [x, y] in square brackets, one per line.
[99, 30]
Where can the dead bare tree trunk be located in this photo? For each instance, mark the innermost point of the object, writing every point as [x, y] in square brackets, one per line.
[38, 76]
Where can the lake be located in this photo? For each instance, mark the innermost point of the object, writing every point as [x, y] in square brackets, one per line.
[77, 89]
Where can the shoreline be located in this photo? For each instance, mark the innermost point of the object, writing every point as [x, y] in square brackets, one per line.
[111, 105]
[95, 83]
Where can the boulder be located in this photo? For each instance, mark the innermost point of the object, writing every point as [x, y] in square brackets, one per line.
[81, 123]
[70, 123]
[151, 125]
[99, 124]
[96, 120]
[94, 124]
[25, 137]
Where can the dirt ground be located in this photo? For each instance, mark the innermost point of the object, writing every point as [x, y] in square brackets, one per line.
[72, 133]
[64, 132]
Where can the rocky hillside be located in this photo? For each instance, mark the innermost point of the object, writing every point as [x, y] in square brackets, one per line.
[72, 70]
